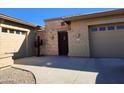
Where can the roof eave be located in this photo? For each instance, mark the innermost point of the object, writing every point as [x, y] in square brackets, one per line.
[2, 16]
[94, 15]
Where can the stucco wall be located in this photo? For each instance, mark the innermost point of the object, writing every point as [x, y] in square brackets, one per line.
[5, 60]
[53, 24]
[105, 20]
[78, 45]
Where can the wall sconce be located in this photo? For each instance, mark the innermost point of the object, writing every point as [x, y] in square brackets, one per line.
[52, 37]
[78, 36]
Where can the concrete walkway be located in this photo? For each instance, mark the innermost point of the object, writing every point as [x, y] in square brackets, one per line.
[68, 70]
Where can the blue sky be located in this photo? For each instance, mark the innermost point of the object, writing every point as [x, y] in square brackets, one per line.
[37, 15]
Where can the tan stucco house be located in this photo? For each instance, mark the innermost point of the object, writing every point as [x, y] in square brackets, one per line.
[89, 35]
[16, 39]
[98, 34]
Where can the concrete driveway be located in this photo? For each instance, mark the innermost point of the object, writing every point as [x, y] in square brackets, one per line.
[74, 70]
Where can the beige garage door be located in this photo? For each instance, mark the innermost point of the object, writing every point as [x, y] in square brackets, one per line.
[107, 41]
[13, 41]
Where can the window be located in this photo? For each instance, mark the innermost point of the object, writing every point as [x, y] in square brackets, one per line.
[93, 29]
[4, 30]
[17, 32]
[23, 33]
[62, 23]
[120, 27]
[11, 31]
[111, 27]
[102, 28]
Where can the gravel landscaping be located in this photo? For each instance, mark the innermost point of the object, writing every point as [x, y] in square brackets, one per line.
[13, 75]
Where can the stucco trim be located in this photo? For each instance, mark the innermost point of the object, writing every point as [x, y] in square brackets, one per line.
[14, 27]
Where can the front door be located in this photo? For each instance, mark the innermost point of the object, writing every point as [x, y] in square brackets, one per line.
[63, 42]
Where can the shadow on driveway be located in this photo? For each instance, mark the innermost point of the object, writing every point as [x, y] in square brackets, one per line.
[110, 70]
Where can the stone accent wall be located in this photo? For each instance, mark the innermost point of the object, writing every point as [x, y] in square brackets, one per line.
[50, 42]
[50, 36]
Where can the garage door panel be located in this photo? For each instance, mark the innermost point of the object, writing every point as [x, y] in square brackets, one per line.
[107, 43]
[13, 43]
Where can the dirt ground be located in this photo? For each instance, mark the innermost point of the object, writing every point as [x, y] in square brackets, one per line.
[13, 75]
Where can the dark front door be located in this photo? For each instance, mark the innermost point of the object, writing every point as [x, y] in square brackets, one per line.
[63, 43]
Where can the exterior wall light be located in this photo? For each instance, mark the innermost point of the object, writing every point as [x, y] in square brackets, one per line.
[78, 36]
[52, 37]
